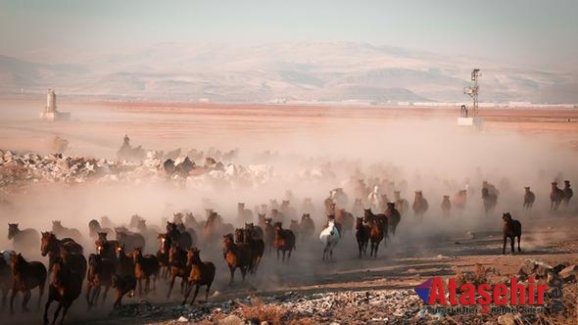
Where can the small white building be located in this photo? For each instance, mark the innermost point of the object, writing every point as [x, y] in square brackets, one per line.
[50, 112]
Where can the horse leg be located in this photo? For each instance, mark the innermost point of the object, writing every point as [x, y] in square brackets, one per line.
[187, 293]
[232, 270]
[512, 239]
[243, 273]
[40, 294]
[173, 277]
[14, 292]
[207, 292]
[88, 289]
[140, 287]
[105, 293]
[56, 313]
[25, 300]
[4, 296]
[519, 238]
[147, 285]
[46, 306]
[64, 311]
[195, 294]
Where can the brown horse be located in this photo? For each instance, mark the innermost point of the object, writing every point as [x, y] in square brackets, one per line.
[556, 196]
[94, 228]
[393, 218]
[202, 273]
[345, 219]
[130, 240]
[284, 241]
[306, 227]
[106, 248]
[376, 235]
[145, 267]
[26, 276]
[529, 198]
[65, 286]
[420, 205]
[236, 256]
[53, 247]
[59, 230]
[568, 193]
[511, 229]
[6, 278]
[100, 273]
[256, 246]
[178, 267]
[362, 232]
[269, 233]
[23, 240]
[122, 285]
[401, 204]
[380, 219]
[446, 206]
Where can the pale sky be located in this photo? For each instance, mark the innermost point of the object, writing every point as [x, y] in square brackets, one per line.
[540, 33]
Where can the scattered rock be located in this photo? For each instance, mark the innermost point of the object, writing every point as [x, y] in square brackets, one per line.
[533, 268]
[183, 319]
[508, 319]
[230, 320]
[568, 274]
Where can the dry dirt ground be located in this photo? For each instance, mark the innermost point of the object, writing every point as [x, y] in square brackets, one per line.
[403, 264]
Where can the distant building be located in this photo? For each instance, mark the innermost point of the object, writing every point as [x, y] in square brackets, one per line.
[50, 112]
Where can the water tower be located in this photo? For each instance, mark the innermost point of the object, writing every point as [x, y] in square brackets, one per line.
[469, 116]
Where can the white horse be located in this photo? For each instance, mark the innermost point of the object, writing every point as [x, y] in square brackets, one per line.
[329, 237]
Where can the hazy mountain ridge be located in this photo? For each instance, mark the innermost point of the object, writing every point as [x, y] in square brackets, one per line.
[283, 71]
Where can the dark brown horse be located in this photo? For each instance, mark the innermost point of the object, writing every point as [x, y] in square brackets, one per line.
[236, 256]
[122, 285]
[269, 232]
[393, 218]
[511, 229]
[568, 193]
[6, 278]
[146, 266]
[178, 267]
[26, 276]
[284, 241]
[53, 247]
[64, 287]
[106, 248]
[256, 244]
[202, 273]
[100, 273]
[380, 219]
[362, 232]
[376, 235]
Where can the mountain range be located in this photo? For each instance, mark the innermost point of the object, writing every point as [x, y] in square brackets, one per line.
[280, 72]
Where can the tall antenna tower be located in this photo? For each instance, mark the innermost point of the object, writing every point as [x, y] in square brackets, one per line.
[474, 90]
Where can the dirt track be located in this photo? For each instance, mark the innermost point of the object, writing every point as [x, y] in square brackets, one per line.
[411, 258]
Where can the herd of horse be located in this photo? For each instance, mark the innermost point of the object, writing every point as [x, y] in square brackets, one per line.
[123, 263]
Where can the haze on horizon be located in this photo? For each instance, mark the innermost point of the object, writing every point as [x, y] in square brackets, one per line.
[540, 34]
